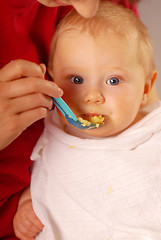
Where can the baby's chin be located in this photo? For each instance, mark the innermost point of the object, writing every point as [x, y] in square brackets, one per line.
[104, 130]
[101, 132]
[96, 132]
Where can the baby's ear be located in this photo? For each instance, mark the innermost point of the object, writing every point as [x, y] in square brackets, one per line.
[148, 86]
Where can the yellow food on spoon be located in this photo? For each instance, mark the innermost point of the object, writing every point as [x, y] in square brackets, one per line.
[95, 120]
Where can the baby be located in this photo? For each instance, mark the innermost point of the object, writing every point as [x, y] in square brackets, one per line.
[102, 183]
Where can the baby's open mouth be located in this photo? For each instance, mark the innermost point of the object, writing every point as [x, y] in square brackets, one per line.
[94, 119]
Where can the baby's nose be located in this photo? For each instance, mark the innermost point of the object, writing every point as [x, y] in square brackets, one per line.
[93, 96]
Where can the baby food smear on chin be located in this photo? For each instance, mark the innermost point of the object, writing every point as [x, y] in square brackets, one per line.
[95, 119]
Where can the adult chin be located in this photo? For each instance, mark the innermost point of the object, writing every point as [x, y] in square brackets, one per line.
[86, 8]
[52, 3]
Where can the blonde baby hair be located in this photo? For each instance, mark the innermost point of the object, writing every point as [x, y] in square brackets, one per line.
[110, 18]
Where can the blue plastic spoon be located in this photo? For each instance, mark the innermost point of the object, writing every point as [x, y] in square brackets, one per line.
[69, 115]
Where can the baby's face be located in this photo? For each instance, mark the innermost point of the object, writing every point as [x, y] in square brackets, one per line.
[86, 8]
[100, 76]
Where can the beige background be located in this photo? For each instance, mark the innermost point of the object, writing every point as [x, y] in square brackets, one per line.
[150, 14]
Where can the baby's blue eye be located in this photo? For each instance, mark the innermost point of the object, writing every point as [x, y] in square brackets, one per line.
[113, 81]
[77, 80]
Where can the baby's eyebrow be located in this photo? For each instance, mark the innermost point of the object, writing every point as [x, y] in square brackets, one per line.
[73, 68]
[116, 68]
[118, 71]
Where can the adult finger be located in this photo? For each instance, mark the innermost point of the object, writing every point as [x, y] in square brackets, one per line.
[25, 119]
[24, 86]
[20, 68]
[28, 102]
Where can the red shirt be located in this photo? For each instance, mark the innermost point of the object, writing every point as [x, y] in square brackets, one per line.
[26, 29]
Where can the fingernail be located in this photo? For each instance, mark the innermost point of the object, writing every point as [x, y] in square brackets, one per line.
[43, 68]
[60, 92]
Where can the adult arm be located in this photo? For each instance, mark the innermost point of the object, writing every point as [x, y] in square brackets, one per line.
[24, 98]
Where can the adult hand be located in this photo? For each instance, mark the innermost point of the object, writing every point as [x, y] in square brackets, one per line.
[24, 98]
[26, 224]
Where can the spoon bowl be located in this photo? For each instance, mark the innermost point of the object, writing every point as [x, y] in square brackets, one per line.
[70, 116]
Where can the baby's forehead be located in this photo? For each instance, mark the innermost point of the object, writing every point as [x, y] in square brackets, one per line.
[125, 43]
[110, 20]
[122, 37]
